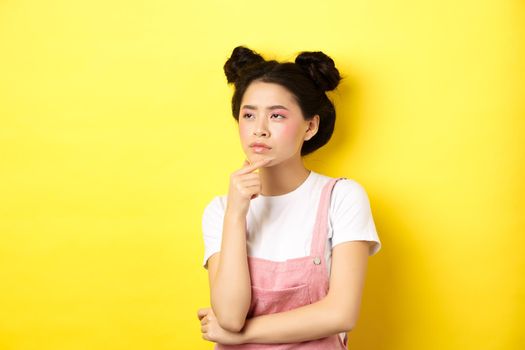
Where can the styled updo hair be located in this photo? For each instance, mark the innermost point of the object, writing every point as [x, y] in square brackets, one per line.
[307, 79]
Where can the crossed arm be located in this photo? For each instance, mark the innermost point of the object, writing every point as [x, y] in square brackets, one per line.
[337, 312]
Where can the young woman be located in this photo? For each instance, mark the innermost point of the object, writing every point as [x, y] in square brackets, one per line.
[286, 249]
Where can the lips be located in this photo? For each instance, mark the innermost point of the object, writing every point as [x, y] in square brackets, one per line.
[259, 145]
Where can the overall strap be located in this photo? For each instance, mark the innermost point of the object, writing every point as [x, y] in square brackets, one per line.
[320, 234]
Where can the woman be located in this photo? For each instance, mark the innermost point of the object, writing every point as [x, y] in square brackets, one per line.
[286, 249]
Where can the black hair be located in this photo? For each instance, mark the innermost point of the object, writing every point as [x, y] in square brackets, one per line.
[307, 79]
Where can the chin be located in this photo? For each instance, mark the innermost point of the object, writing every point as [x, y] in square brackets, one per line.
[256, 157]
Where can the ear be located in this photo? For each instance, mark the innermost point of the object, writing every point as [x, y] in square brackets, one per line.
[313, 126]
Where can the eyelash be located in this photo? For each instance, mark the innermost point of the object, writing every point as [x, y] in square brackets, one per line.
[244, 116]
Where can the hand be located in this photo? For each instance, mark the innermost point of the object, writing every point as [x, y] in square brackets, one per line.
[245, 185]
[212, 331]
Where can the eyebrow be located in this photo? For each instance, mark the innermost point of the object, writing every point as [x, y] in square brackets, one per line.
[268, 108]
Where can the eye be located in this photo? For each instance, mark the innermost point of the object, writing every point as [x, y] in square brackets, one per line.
[247, 115]
[280, 115]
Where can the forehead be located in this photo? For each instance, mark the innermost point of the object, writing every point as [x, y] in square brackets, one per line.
[261, 93]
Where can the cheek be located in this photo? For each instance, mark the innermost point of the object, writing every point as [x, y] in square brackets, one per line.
[289, 132]
[243, 131]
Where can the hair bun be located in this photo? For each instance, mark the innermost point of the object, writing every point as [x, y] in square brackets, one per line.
[320, 68]
[240, 58]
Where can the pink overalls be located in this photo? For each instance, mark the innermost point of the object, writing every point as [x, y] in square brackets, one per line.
[279, 286]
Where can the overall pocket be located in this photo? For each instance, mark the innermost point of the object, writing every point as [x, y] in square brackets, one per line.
[269, 301]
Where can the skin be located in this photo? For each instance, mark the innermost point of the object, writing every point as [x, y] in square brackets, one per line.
[284, 130]
[276, 171]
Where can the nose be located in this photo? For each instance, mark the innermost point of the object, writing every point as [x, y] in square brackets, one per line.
[260, 133]
[261, 128]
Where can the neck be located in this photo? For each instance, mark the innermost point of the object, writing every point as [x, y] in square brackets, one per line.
[283, 178]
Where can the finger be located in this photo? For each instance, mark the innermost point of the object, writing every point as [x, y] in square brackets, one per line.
[249, 182]
[250, 167]
[249, 176]
[254, 166]
[204, 321]
[202, 312]
[204, 329]
[250, 190]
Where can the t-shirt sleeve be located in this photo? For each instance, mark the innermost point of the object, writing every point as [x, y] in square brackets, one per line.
[212, 222]
[351, 215]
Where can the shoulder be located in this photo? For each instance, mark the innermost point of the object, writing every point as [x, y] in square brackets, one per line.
[349, 194]
[215, 202]
[344, 188]
[351, 215]
[215, 207]
[349, 187]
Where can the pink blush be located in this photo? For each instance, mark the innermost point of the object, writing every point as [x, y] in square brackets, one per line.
[243, 131]
[288, 130]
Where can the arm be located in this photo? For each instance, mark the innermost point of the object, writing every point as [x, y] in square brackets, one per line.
[337, 312]
[229, 277]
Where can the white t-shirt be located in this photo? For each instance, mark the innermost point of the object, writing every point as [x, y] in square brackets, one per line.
[281, 227]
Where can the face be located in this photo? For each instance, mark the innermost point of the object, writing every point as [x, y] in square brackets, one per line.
[270, 116]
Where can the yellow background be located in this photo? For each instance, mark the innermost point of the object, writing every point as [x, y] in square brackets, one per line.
[116, 131]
